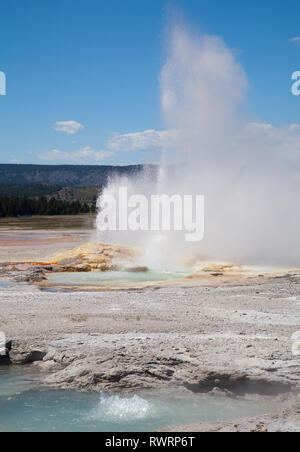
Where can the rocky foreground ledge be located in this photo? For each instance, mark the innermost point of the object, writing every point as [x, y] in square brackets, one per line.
[283, 421]
[231, 339]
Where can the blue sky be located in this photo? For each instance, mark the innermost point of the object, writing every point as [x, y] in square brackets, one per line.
[97, 63]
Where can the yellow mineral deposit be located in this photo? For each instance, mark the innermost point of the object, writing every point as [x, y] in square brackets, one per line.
[95, 257]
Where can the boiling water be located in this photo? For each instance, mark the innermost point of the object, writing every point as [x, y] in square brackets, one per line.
[113, 279]
[24, 407]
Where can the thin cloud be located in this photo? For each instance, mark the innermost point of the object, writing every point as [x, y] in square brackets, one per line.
[148, 140]
[277, 139]
[86, 155]
[295, 40]
[69, 127]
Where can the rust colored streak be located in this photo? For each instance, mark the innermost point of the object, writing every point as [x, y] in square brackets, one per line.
[15, 242]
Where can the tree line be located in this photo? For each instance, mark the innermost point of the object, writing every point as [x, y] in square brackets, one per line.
[15, 206]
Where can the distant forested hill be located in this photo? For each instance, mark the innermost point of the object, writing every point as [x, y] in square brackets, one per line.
[29, 191]
[66, 175]
[14, 207]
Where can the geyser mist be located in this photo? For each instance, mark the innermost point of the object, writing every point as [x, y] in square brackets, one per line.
[248, 172]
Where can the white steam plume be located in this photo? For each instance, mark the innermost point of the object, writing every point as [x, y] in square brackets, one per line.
[248, 173]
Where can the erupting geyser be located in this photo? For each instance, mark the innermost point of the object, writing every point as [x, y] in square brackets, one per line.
[248, 172]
